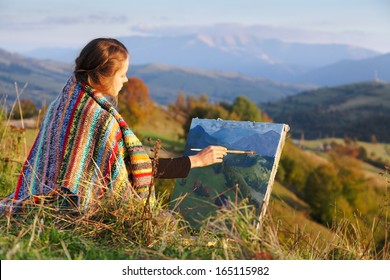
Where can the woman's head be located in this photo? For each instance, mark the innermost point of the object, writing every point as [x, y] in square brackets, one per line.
[103, 64]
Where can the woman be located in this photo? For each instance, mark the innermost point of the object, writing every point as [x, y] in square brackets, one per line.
[85, 148]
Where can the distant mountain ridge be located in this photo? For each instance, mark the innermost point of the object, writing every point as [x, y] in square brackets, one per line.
[350, 71]
[46, 79]
[198, 48]
[165, 82]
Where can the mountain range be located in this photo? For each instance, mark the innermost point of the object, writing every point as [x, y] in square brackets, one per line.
[307, 66]
[250, 55]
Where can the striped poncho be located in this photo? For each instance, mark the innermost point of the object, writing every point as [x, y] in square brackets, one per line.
[85, 146]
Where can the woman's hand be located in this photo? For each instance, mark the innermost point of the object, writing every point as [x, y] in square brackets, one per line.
[208, 156]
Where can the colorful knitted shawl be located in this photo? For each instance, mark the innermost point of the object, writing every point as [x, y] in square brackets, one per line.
[84, 145]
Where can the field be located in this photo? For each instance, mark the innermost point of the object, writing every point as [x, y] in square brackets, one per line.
[374, 150]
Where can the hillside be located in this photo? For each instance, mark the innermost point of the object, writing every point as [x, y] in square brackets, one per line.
[165, 82]
[46, 78]
[356, 110]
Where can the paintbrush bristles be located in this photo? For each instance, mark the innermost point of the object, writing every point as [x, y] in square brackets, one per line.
[240, 152]
[229, 151]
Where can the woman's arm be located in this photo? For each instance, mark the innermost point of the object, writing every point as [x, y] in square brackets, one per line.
[171, 168]
[180, 167]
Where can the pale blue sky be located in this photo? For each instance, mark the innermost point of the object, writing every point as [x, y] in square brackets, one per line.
[28, 24]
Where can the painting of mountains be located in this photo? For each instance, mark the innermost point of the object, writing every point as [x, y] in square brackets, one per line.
[246, 175]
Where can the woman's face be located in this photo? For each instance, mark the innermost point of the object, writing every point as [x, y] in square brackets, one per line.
[119, 79]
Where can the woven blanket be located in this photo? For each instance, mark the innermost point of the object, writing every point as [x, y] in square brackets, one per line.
[84, 145]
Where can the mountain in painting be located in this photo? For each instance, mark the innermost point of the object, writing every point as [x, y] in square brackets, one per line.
[200, 139]
[265, 144]
[231, 135]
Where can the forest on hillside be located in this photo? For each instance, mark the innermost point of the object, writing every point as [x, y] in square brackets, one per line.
[360, 111]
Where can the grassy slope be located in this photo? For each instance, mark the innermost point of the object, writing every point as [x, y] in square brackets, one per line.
[292, 213]
[159, 124]
[373, 150]
[381, 150]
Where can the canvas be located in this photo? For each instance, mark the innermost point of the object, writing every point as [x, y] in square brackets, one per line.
[248, 171]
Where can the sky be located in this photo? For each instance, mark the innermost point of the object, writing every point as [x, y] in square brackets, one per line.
[29, 24]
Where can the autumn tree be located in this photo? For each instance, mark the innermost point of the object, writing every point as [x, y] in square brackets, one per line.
[180, 103]
[28, 107]
[201, 108]
[322, 191]
[292, 173]
[134, 102]
[246, 110]
[191, 107]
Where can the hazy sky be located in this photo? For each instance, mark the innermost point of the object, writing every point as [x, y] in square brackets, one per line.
[28, 24]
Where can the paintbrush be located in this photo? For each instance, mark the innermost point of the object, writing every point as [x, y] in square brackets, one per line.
[229, 151]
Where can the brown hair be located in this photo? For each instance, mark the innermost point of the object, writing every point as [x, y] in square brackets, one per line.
[98, 62]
